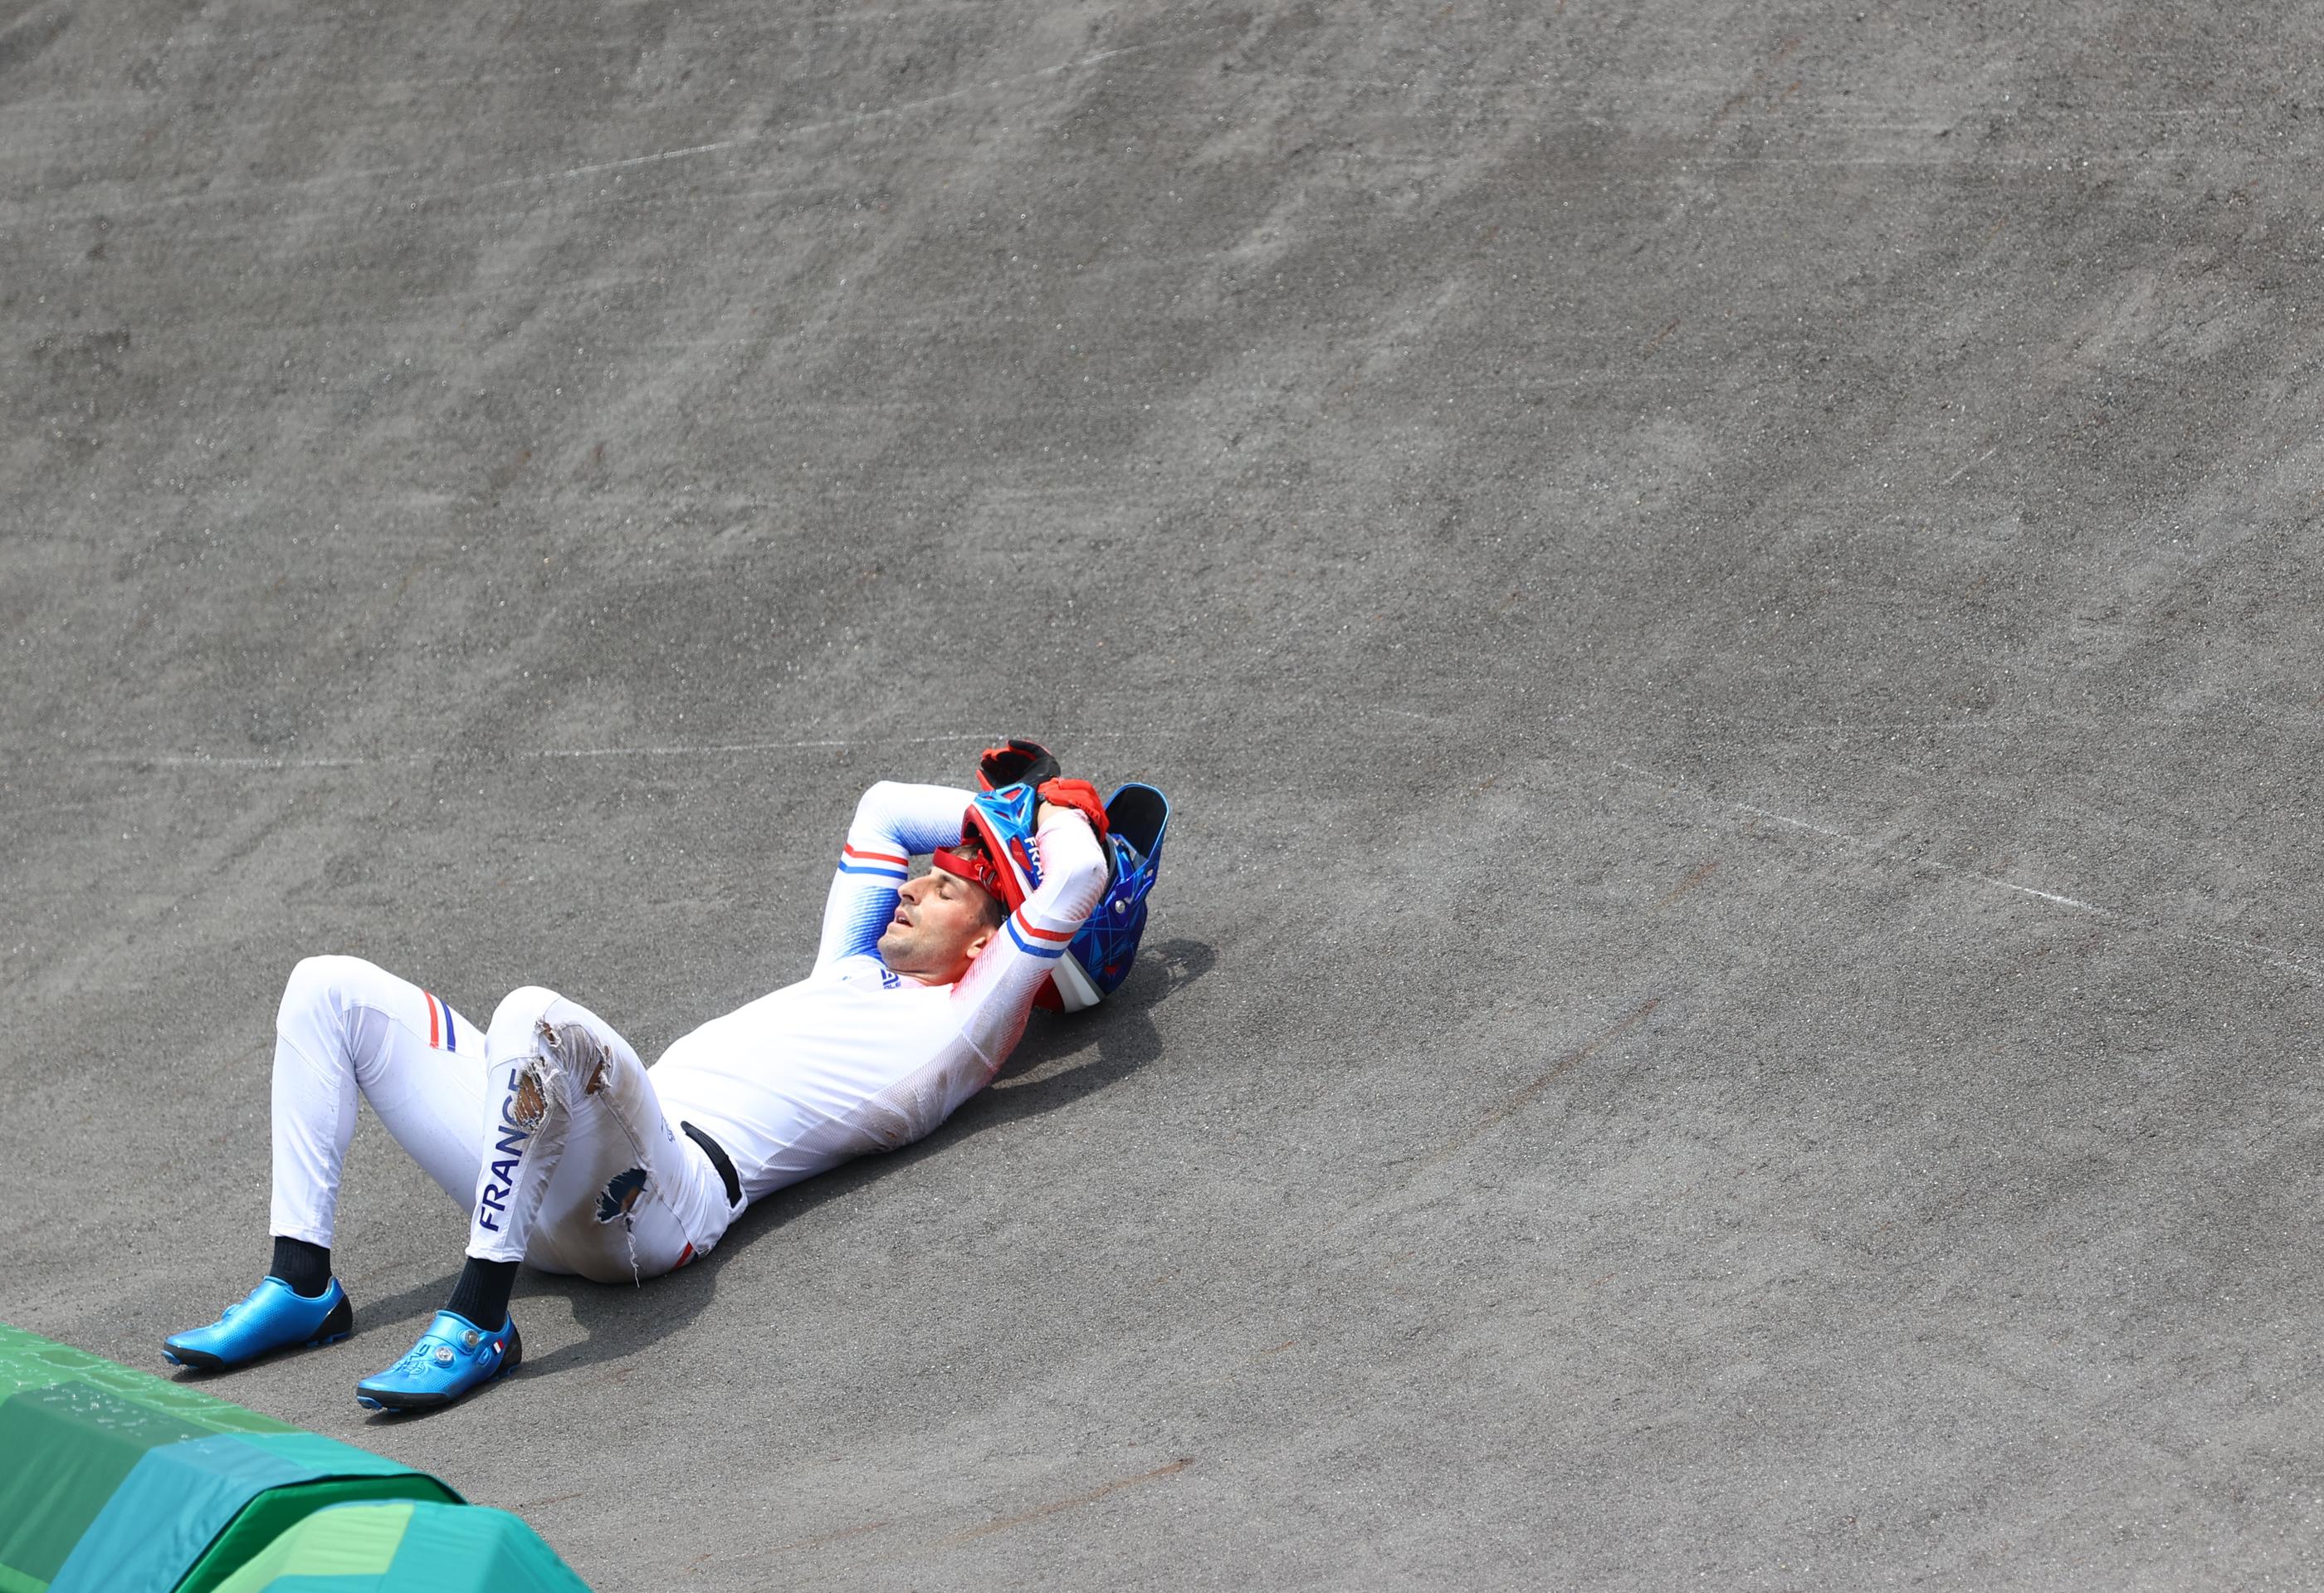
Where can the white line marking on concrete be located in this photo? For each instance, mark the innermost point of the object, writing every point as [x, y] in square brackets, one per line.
[1858, 840]
[1932, 726]
[707, 749]
[181, 760]
[666, 154]
[2073, 904]
[806, 128]
[1972, 464]
[198, 760]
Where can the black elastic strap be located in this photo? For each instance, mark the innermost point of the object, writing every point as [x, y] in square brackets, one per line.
[718, 1159]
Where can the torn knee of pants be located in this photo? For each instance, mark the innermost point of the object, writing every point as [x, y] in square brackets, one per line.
[574, 1046]
[620, 1194]
[534, 1087]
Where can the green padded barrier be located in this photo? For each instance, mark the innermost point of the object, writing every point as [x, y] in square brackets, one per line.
[123, 1482]
[406, 1548]
[64, 1450]
[72, 1427]
[338, 1545]
[179, 1520]
[277, 1510]
[29, 1361]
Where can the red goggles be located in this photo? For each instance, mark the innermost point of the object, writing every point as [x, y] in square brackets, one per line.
[973, 866]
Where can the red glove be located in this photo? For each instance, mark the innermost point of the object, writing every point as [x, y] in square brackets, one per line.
[1079, 795]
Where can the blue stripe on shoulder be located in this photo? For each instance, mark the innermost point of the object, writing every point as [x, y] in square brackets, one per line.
[866, 868]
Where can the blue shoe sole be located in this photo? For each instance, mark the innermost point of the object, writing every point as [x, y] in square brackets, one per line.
[389, 1399]
[337, 1326]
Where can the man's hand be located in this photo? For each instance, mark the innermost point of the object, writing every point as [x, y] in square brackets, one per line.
[1079, 795]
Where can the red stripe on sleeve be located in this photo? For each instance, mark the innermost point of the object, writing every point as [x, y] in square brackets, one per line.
[435, 1034]
[1038, 933]
[877, 856]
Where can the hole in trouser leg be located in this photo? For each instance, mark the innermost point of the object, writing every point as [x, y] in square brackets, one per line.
[576, 1047]
[531, 1104]
[617, 1202]
[620, 1195]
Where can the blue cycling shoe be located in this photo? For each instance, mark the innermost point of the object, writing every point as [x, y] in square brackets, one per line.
[452, 1359]
[270, 1317]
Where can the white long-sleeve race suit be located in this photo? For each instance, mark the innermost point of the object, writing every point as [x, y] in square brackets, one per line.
[854, 1058]
[568, 1151]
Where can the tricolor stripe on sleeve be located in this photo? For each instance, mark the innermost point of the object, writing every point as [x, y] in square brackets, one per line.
[1035, 940]
[441, 1032]
[854, 860]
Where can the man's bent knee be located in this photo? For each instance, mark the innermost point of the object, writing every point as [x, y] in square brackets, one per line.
[515, 1018]
[325, 982]
[579, 1051]
[551, 1062]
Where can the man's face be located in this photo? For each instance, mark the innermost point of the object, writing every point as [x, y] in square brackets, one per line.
[940, 923]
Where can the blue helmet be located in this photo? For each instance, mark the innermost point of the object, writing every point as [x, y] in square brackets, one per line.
[1099, 958]
[1002, 860]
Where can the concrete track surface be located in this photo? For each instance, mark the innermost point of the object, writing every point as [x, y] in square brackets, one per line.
[1729, 596]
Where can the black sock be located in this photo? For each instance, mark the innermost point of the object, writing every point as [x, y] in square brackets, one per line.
[306, 1268]
[482, 1294]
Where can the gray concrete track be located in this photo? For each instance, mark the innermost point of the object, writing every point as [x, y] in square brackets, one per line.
[1728, 595]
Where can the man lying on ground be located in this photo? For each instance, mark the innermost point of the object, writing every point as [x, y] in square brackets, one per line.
[573, 1157]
